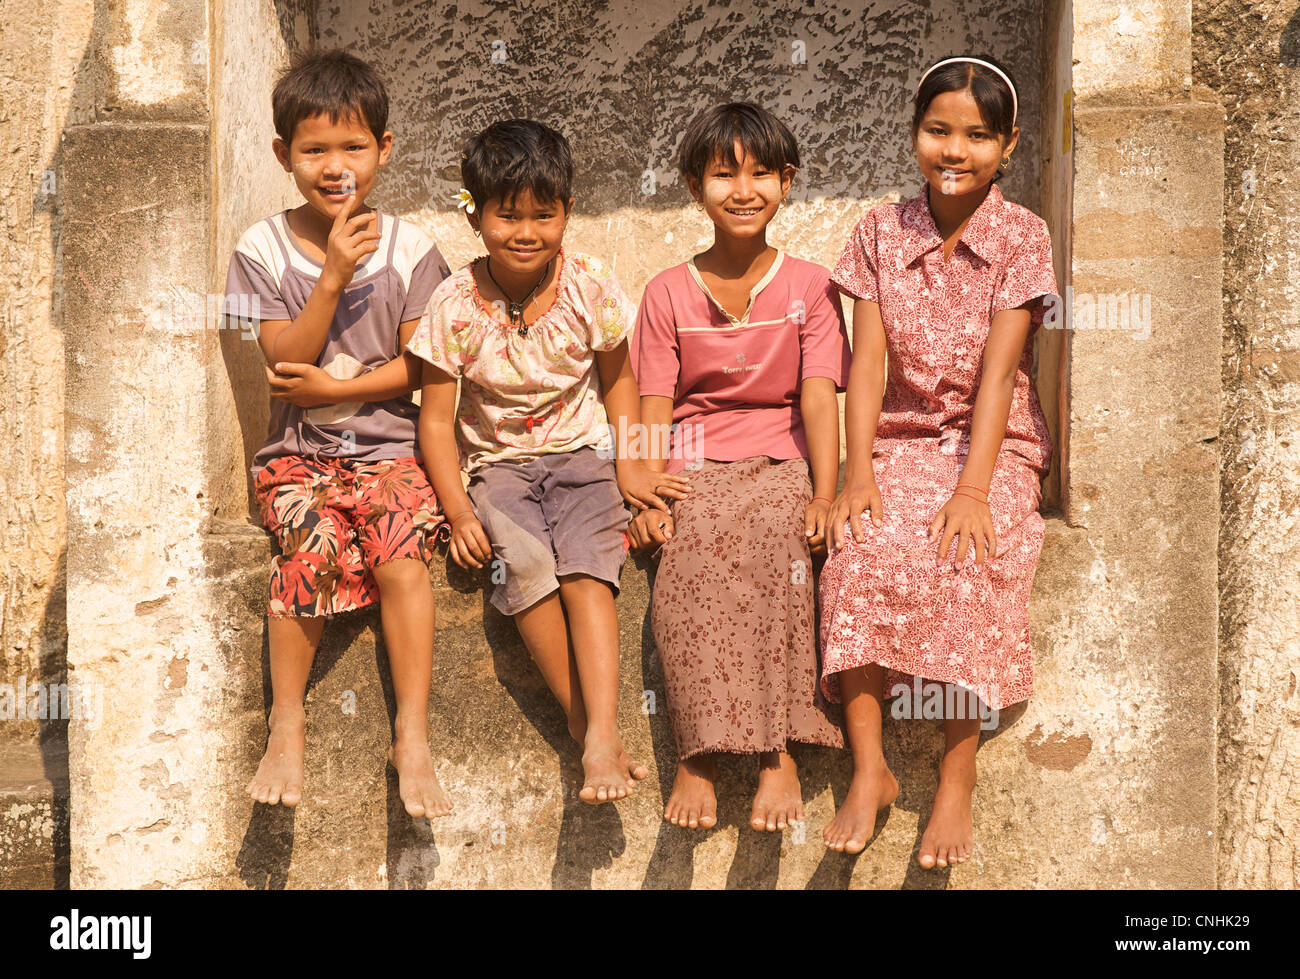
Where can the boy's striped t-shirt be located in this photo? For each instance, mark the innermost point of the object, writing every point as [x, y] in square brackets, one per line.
[271, 277]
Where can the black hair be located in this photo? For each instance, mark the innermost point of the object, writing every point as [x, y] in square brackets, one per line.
[712, 135]
[517, 155]
[328, 81]
[989, 91]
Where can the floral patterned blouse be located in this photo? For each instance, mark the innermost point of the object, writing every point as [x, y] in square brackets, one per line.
[526, 396]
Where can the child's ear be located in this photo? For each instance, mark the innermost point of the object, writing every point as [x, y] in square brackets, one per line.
[385, 147]
[1011, 143]
[693, 185]
[787, 178]
[281, 151]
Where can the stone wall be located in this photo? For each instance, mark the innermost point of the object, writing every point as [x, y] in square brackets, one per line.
[1249, 54]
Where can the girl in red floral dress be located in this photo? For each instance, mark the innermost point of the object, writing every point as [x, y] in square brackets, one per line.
[936, 535]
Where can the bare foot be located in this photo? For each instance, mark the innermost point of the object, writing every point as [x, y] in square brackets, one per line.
[609, 772]
[949, 837]
[416, 782]
[279, 775]
[778, 801]
[692, 803]
[871, 790]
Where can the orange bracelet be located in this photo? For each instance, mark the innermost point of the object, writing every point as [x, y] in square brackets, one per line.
[971, 496]
[823, 498]
[974, 487]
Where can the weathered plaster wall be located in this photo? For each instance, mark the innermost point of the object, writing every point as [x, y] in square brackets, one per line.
[1135, 654]
[40, 57]
[41, 65]
[1249, 54]
[150, 426]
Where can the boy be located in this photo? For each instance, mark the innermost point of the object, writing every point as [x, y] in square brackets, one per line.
[337, 288]
[538, 338]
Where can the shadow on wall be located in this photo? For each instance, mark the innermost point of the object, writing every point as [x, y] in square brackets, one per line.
[623, 79]
[1289, 44]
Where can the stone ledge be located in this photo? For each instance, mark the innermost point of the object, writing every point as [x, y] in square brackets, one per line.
[33, 816]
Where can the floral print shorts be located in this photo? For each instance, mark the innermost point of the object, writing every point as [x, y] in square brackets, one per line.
[335, 520]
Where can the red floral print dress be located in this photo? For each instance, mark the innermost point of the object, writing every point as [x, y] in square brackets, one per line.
[887, 600]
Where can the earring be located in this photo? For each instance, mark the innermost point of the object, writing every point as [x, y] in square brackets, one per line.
[699, 205]
[477, 233]
[1006, 162]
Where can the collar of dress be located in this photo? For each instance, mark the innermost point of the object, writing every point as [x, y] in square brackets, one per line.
[980, 234]
[759, 286]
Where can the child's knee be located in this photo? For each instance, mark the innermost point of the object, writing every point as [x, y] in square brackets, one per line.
[399, 572]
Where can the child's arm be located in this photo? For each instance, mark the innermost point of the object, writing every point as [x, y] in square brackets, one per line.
[866, 391]
[639, 485]
[306, 385]
[821, 423]
[301, 340]
[964, 516]
[469, 543]
[652, 527]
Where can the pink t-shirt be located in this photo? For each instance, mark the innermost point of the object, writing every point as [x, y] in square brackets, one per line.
[735, 382]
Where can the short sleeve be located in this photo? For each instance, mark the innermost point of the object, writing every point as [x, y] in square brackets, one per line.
[429, 271]
[1029, 272]
[609, 313]
[823, 337]
[252, 294]
[855, 272]
[656, 357]
[441, 336]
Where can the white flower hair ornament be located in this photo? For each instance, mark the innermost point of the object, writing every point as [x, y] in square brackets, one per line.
[464, 199]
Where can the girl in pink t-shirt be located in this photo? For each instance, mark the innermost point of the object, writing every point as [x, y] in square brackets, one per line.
[945, 453]
[741, 349]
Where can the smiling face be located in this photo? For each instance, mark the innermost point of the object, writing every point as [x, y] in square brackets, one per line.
[956, 151]
[322, 154]
[740, 200]
[523, 235]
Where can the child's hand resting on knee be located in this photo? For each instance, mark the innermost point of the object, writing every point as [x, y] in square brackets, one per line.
[850, 504]
[649, 529]
[967, 521]
[469, 542]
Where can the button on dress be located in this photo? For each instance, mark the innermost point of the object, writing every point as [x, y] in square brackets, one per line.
[885, 600]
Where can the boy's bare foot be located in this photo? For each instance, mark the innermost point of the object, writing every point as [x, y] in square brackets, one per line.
[279, 774]
[416, 782]
[778, 801]
[949, 837]
[609, 772]
[692, 803]
[870, 791]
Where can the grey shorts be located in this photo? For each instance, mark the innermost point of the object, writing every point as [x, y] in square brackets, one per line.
[555, 515]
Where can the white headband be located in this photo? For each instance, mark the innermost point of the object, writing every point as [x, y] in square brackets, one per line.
[1015, 106]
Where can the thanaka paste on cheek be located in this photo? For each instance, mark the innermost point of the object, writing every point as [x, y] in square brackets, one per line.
[716, 192]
